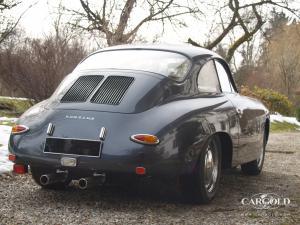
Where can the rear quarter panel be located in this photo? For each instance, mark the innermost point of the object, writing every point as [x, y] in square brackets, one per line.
[252, 117]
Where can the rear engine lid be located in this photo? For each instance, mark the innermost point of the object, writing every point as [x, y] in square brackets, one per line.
[110, 91]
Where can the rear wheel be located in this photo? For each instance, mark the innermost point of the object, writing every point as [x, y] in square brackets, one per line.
[255, 167]
[37, 172]
[202, 185]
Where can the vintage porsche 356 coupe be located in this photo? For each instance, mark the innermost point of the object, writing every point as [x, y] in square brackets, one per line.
[164, 111]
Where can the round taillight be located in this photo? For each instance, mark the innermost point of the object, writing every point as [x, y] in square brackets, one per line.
[19, 129]
[147, 139]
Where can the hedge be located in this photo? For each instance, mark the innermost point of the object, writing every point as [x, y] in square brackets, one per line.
[273, 100]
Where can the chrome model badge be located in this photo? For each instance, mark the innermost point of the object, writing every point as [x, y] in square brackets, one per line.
[79, 117]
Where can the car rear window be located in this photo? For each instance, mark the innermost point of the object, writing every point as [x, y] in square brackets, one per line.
[170, 64]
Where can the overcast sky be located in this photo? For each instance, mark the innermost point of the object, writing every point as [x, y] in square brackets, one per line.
[37, 21]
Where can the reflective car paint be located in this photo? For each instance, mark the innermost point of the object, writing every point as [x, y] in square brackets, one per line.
[176, 112]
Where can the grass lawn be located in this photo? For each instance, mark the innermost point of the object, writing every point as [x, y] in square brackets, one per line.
[7, 123]
[284, 127]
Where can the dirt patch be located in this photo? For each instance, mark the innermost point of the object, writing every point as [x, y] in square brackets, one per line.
[23, 202]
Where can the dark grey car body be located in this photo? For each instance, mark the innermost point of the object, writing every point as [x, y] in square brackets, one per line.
[181, 116]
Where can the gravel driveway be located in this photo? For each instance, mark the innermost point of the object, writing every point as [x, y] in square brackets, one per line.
[23, 202]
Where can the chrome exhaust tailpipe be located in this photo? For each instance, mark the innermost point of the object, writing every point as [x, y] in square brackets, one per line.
[44, 179]
[47, 179]
[83, 183]
[97, 179]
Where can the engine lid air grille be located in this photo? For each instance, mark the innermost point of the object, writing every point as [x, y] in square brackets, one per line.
[82, 88]
[112, 90]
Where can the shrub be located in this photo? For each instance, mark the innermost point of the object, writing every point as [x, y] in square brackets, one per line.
[274, 101]
[298, 114]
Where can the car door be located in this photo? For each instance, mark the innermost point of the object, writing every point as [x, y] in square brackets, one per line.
[246, 114]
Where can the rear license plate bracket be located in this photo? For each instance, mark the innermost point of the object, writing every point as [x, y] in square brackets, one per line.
[69, 146]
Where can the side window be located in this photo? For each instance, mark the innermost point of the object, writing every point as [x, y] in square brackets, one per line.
[207, 78]
[223, 78]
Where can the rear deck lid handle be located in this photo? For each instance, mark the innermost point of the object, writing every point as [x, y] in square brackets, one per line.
[102, 133]
[50, 129]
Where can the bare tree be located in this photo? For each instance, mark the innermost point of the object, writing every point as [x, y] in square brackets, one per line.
[282, 57]
[279, 63]
[34, 67]
[113, 19]
[289, 73]
[7, 25]
[246, 16]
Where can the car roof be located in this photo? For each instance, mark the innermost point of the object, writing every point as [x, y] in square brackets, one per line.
[185, 49]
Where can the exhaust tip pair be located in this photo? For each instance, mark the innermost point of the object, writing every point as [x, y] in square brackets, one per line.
[82, 183]
[47, 179]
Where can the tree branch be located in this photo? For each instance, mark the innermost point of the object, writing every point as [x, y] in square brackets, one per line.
[10, 29]
[149, 17]
[125, 14]
[246, 36]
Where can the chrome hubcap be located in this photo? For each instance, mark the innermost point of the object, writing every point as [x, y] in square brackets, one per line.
[211, 169]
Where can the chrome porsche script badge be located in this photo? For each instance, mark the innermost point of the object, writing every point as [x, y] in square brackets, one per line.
[68, 161]
[80, 117]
